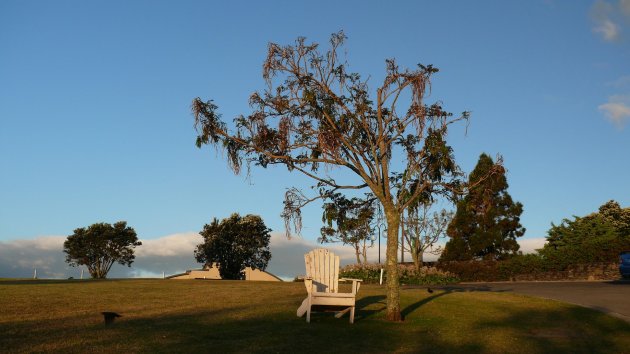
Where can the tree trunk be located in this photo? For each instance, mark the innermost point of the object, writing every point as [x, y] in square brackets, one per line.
[414, 257]
[402, 243]
[357, 253]
[364, 252]
[391, 266]
[417, 258]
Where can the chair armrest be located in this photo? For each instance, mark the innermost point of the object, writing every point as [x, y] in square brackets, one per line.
[356, 284]
[308, 283]
[350, 279]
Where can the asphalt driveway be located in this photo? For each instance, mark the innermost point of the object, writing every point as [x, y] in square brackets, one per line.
[611, 297]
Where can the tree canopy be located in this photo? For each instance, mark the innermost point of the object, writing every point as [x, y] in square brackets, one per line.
[233, 244]
[597, 237]
[101, 245]
[316, 116]
[487, 221]
[349, 221]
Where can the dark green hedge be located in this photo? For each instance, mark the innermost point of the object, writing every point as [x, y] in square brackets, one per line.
[408, 275]
[530, 265]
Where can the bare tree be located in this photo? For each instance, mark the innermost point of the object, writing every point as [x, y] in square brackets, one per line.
[316, 113]
[423, 229]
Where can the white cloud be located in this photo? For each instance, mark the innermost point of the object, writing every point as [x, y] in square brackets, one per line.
[530, 245]
[609, 30]
[607, 18]
[617, 109]
[623, 81]
[171, 245]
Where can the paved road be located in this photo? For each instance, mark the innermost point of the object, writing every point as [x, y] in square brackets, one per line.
[612, 297]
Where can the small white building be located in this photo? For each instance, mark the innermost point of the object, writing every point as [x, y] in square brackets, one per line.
[213, 273]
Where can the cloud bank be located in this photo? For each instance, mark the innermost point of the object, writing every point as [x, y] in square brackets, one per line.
[20, 258]
[172, 254]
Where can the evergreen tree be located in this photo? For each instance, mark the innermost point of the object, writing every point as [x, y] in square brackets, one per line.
[487, 221]
[597, 237]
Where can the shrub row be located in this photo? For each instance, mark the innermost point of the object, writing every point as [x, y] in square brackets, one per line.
[588, 252]
[409, 275]
[528, 267]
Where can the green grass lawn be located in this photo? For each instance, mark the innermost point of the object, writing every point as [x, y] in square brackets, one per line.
[230, 316]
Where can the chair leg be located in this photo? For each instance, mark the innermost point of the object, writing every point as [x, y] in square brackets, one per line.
[342, 312]
[303, 307]
[308, 311]
[352, 314]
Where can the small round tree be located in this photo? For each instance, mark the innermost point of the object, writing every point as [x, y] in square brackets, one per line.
[100, 245]
[234, 244]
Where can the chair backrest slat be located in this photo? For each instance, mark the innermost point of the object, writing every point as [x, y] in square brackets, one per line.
[336, 273]
[323, 267]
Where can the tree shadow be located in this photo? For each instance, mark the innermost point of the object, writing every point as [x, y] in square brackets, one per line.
[364, 303]
[470, 288]
[443, 291]
[411, 308]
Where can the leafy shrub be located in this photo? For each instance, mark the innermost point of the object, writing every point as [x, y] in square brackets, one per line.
[528, 267]
[530, 264]
[370, 273]
[486, 270]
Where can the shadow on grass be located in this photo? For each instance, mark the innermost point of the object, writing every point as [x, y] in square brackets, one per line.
[244, 330]
[365, 306]
[470, 288]
[443, 291]
[569, 330]
[235, 317]
[79, 333]
[411, 308]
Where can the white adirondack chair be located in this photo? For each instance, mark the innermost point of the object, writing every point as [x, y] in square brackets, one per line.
[322, 280]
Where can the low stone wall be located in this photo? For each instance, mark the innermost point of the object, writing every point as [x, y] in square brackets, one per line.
[600, 271]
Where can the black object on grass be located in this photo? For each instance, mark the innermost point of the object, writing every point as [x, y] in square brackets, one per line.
[110, 317]
[430, 290]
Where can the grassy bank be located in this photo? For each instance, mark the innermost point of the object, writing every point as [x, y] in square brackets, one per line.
[228, 316]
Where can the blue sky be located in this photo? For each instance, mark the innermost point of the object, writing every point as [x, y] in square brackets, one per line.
[95, 120]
